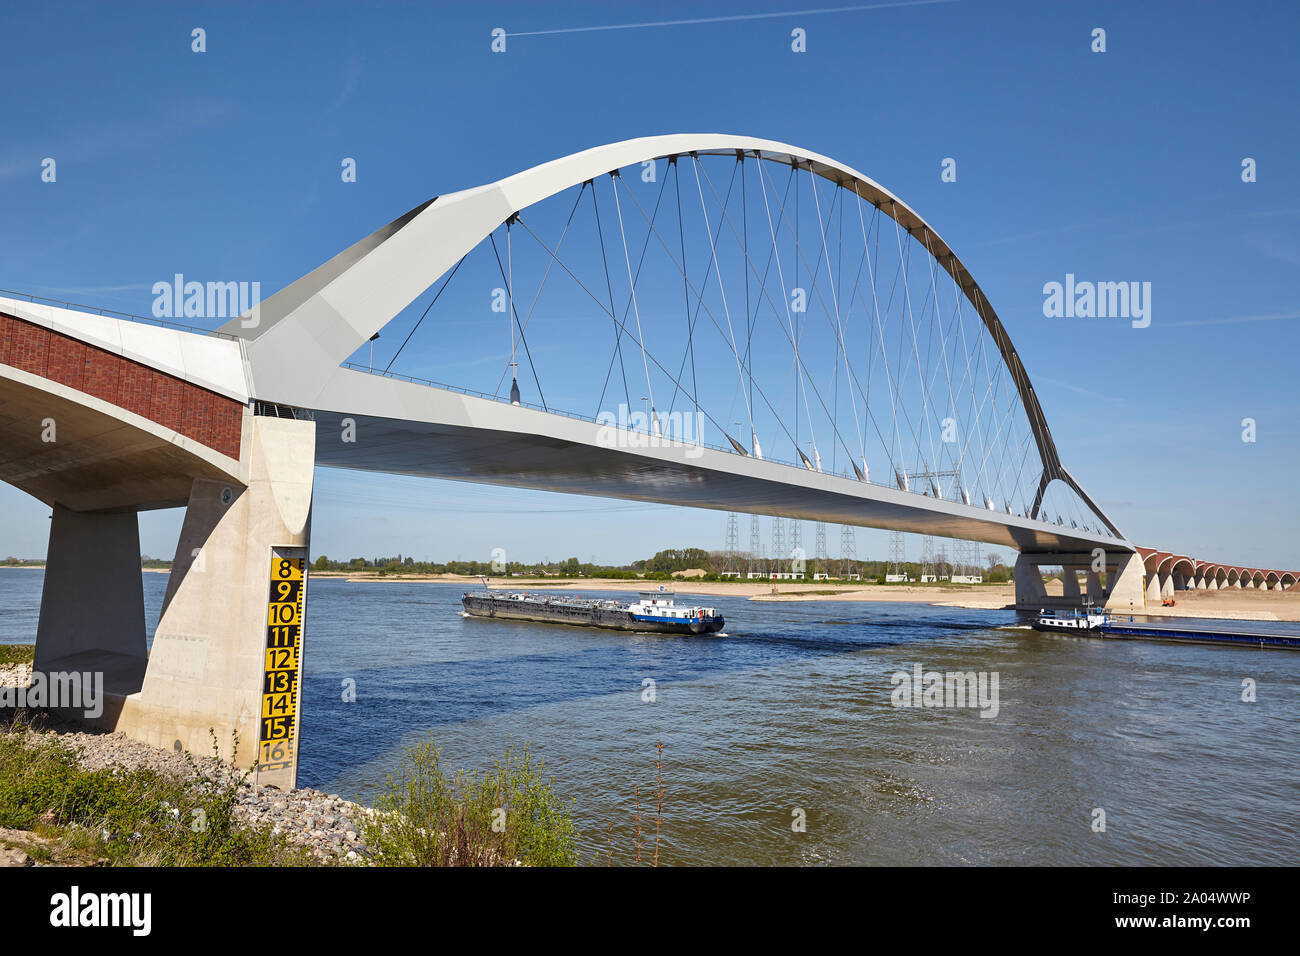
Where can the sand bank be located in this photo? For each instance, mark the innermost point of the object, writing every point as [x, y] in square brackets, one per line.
[1227, 604]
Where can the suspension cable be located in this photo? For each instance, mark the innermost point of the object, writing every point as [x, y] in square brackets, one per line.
[426, 312]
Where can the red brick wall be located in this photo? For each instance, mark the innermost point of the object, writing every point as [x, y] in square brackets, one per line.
[195, 412]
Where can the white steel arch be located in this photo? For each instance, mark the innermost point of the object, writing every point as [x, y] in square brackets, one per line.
[308, 329]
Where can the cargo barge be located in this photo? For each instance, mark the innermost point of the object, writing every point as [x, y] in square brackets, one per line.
[1196, 635]
[655, 612]
[1096, 623]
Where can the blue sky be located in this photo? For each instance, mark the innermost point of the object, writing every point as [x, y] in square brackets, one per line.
[1116, 166]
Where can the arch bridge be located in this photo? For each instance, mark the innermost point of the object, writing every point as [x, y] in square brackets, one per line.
[696, 319]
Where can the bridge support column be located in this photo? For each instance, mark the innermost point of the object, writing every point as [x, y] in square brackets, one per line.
[1122, 589]
[209, 658]
[1070, 583]
[1030, 593]
[92, 600]
[1096, 594]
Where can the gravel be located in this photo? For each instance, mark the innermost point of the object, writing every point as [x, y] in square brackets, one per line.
[324, 823]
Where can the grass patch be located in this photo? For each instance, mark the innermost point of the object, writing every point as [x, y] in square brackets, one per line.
[17, 653]
[126, 818]
[506, 814]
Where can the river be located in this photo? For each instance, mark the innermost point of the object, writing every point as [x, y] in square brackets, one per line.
[782, 743]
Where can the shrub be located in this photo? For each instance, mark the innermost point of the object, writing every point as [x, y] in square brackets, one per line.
[506, 815]
[133, 818]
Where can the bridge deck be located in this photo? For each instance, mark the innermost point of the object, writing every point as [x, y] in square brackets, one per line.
[447, 434]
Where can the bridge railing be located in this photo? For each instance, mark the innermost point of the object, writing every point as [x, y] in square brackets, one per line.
[110, 313]
[555, 411]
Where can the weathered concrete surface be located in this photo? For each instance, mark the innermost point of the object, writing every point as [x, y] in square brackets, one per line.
[206, 665]
[1123, 588]
[92, 599]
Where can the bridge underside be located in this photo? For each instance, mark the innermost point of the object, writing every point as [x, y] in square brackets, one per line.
[65, 447]
[467, 438]
[1095, 568]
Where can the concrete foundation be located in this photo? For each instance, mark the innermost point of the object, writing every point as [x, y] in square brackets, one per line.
[1123, 588]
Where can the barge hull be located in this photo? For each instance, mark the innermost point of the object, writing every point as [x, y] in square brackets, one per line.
[1193, 636]
[609, 619]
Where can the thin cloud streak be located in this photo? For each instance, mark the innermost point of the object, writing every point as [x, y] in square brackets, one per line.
[1230, 320]
[728, 19]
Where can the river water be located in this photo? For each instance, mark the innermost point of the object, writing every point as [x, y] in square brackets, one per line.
[787, 716]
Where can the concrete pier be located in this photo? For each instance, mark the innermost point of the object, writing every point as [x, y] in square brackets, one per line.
[1121, 588]
[206, 673]
[92, 601]
[206, 667]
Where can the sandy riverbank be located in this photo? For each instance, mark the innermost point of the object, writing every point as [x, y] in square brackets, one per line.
[986, 594]
[1233, 604]
[1228, 604]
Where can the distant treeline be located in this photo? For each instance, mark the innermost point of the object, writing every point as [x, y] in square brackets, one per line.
[11, 562]
[400, 564]
[716, 565]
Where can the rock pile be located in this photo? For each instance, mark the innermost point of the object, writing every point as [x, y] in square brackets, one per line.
[324, 823]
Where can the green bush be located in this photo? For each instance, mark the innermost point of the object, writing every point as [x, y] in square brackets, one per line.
[506, 815]
[133, 818]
